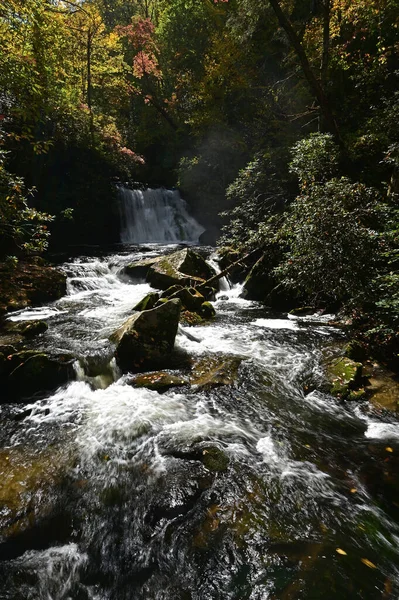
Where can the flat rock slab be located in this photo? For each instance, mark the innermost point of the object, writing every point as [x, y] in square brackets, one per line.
[159, 381]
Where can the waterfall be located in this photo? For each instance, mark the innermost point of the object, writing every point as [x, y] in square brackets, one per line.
[156, 215]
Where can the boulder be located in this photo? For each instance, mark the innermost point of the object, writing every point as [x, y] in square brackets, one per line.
[207, 310]
[159, 381]
[148, 302]
[139, 269]
[184, 267]
[145, 340]
[34, 372]
[32, 485]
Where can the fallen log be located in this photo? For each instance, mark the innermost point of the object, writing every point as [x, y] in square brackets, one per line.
[225, 271]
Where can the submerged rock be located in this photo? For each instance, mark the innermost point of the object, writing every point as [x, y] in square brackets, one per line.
[26, 328]
[215, 371]
[159, 381]
[383, 388]
[145, 340]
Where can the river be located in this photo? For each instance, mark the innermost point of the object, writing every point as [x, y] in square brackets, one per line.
[255, 490]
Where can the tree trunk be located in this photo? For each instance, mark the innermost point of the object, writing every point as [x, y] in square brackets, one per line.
[313, 83]
[89, 85]
[326, 41]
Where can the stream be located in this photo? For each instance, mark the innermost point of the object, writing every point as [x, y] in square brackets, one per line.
[254, 490]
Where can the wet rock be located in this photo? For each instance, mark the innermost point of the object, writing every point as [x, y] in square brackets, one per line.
[228, 256]
[212, 372]
[190, 298]
[33, 372]
[171, 290]
[302, 311]
[145, 340]
[27, 495]
[214, 459]
[383, 388]
[26, 328]
[139, 269]
[207, 310]
[344, 376]
[184, 267]
[188, 317]
[159, 381]
[262, 285]
[30, 283]
[147, 302]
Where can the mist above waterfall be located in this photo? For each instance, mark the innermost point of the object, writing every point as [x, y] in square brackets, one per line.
[156, 216]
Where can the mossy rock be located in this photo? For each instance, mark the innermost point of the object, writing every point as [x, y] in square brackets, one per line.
[215, 371]
[35, 372]
[148, 302]
[27, 328]
[171, 291]
[159, 381]
[344, 375]
[184, 267]
[207, 310]
[214, 459]
[145, 341]
[29, 481]
[188, 317]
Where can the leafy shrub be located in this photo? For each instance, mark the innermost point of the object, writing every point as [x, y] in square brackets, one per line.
[23, 229]
[334, 245]
[315, 158]
[258, 193]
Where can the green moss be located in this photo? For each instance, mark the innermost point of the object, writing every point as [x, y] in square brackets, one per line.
[207, 310]
[214, 459]
[344, 375]
[147, 302]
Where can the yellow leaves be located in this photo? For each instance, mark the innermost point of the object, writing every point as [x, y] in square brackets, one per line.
[353, 491]
[389, 449]
[368, 563]
[365, 561]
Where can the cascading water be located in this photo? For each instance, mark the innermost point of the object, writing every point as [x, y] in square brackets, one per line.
[156, 216]
[247, 491]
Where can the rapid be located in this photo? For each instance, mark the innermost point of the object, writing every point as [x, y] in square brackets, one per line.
[261, 489]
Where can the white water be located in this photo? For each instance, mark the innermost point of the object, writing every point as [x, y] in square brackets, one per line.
[291, 461]
[156, 216]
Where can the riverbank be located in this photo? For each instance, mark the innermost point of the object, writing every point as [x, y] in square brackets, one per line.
[29, 282]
